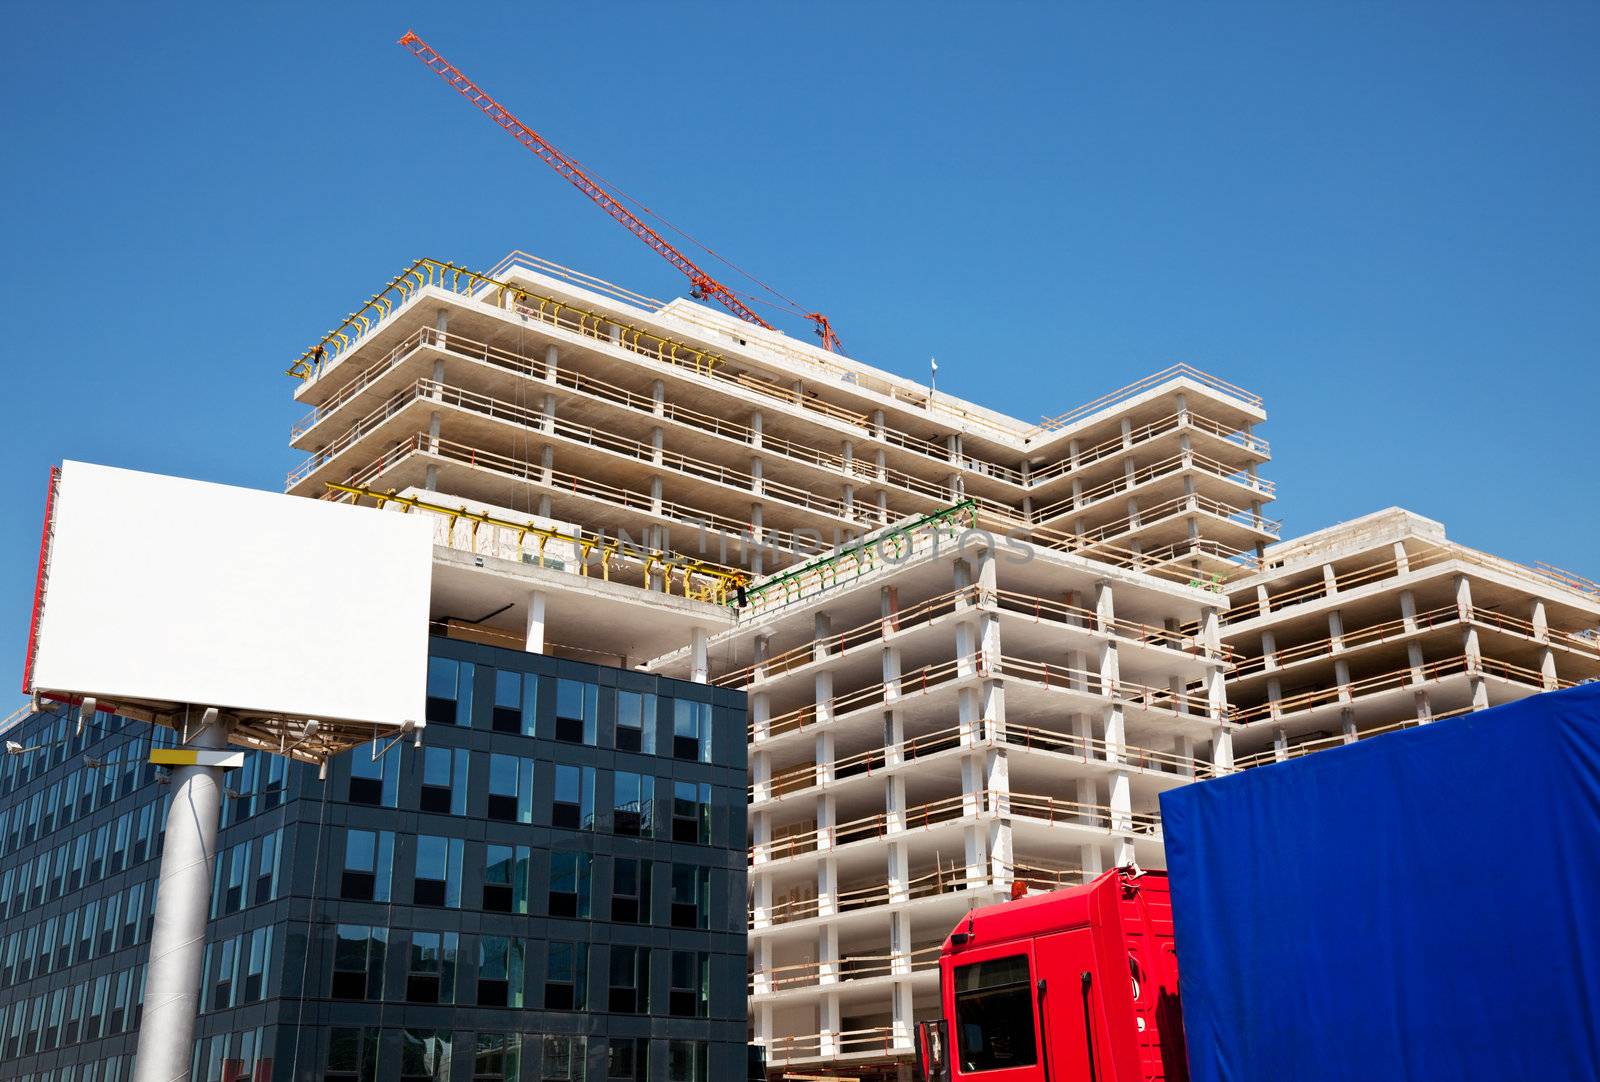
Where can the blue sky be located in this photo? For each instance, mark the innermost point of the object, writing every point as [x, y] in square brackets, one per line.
[1381, 217]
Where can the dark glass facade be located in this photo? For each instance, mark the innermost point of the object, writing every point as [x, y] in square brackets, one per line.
[552, 888]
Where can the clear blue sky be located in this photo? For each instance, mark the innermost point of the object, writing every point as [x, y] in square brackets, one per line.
[1382, 217]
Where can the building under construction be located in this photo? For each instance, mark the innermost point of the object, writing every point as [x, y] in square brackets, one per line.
[975, 649]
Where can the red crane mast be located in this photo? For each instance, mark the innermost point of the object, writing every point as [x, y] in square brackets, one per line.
[702, 284]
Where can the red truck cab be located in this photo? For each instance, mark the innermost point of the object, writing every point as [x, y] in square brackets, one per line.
[1077, 985]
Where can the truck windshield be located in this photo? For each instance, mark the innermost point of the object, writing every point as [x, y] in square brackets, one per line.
[994, 1015]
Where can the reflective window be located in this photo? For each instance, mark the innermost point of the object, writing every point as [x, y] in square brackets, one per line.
[566, 980]
[368, 865]
[499, 971]
[628, 1059]
[449, 692]
[688, 1061]
[572, 803]
[629, 987]
[438, 878]
[577, 706]
[630, 890]
[690, 989]
[358, 954]
[514, 703]
[352, 1054]
[564, 1059]
[636, 722]
[691, 730]
[994, 1014]
[505, 878]
[691, 896]
[510, 788]
[425, 1055]
[691, 812]
[431, 975]
[444, 781]
[374, 777]
[632, 801]
[498, 1058]
[569, 884]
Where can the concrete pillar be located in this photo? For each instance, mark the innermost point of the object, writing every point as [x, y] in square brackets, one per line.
[1408, 610]
[699, 663]
[534, 640]
[657, 446]
[547, 409]
[1547, 656]
[658, 398]
[757, 429]
[1269, 650]
[1280, 746]
[177, 942]
[1330, 581]
[757, 557]
[1469, 645]
[1402, 561]
[757, 478]
[552, 360]
[1335, 632]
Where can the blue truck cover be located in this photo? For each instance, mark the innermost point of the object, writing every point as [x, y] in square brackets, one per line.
[1423, 905]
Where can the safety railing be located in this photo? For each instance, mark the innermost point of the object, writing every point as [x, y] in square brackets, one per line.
[1400, 678]
[440, 395]
[779, 540]
[1172, 466]
[1351, 639]
[890, 546]
[920, 680]
[780, 664]
[848, 967]
[942, 879]
[1138, 387]
[592, 554]
[863, 763]
[798, 842]
[1322, 743]
[1141, 434]
[1089, 682]
[1192, 503]
[1055, 810]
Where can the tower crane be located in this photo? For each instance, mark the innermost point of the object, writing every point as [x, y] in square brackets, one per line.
[702, 285]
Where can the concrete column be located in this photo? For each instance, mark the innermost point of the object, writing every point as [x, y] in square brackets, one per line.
[1269, 650]
[534, 640]
[757, 557]
[547, 464]
[656, 499]
[757, 429]
[1408, 610]
[1222, 752]
[177, 942]
[1335, 632]
[757, 478]
[657, 446]
[658, 398]
[1469, 645]
[552, 360]
[1280, 746]
[699, 663]
[1330, 581]
[547, 409]
[1263, 600]
[1547, 656]
[1402, 562]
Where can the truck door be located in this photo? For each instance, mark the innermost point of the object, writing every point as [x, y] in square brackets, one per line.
[994, 1017]
[1065, 987]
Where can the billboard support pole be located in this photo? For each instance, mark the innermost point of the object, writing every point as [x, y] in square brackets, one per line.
[183, 903]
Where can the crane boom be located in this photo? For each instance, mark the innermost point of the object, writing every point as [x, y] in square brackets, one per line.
[701, 283]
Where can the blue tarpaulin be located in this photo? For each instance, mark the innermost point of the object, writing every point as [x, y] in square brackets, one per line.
[1420, 906]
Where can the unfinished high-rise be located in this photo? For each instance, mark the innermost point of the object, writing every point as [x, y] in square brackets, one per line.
[975, 652]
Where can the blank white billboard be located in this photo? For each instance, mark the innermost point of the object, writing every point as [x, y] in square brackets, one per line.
[166, 590]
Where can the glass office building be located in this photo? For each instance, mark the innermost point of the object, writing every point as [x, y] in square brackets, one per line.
[551, 888]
